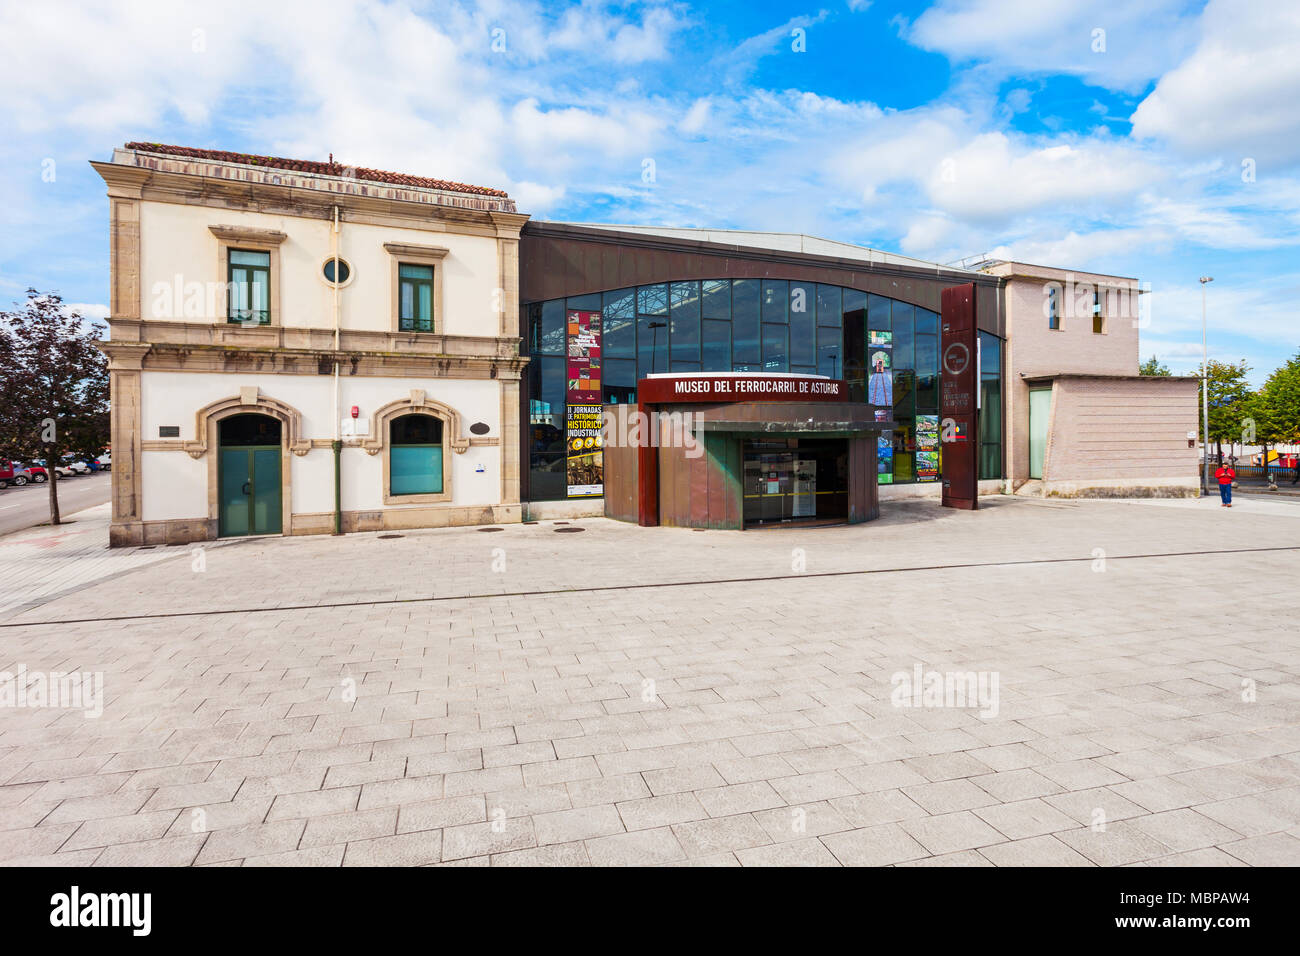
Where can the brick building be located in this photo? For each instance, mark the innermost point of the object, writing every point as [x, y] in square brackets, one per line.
[1079, 419]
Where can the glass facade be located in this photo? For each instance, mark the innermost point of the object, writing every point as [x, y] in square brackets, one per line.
[882, 347]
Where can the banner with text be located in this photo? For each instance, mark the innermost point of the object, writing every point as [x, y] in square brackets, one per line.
[584, 465]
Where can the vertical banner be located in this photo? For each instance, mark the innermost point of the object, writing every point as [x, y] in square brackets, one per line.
[880, 368]
[927, 447]
[958, 397]
[584, 464]
[880, 393]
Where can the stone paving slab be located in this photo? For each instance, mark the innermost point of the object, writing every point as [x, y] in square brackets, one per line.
[1142, 715]
[47, 561]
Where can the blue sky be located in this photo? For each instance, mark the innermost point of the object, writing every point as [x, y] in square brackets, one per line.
[1148, 138]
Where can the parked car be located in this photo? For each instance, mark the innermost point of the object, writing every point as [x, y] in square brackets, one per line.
[63, 470]
[13, 473]
[38, 472]
[77, 466]
[106, 461]
[91, 463]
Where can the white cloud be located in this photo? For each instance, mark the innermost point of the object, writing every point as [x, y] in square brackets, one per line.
[994, 178]
[696, 117]
[1235, 95]
[107, 65]
[1078, 249]
[740, 61]
[89, 310]
[1139, 39]
[536, 198]
[1237, 304]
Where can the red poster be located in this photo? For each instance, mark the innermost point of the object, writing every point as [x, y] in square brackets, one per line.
[584, 358]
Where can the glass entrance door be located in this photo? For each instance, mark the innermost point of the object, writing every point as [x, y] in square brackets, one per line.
[249, 476]
[768, 483]
[794, 479]
[803, 492]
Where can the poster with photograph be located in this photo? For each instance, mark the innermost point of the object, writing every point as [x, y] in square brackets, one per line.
[583, 384]
[885, 459]
[584, 464]
[877, 337]
[927, 447]
[880, 381]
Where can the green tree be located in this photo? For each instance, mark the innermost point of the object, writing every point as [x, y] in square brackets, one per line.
[53, 385]
[1281, 395]
[1153, 366]
[1228, 389]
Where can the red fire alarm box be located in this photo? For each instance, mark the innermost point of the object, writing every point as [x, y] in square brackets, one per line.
[356, 412]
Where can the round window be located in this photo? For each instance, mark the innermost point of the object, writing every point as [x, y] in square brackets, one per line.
[345, 271]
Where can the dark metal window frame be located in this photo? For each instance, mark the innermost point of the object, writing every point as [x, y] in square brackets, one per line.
[414, 323]
[262, 316]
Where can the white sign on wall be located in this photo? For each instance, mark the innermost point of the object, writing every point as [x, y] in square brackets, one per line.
[354, 427]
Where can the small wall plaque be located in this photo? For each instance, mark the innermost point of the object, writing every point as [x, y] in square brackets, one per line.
[169, 431]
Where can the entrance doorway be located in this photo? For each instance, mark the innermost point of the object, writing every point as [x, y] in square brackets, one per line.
[795, 480]
[248, 475]
[1040, 411]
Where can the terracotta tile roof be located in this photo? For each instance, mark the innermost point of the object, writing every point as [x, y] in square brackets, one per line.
[311, 166]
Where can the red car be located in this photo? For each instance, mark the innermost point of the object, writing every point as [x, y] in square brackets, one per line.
[13, 473]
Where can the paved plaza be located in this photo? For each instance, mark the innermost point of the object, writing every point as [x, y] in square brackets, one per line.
[541, 695]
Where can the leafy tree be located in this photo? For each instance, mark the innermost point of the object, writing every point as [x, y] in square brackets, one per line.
[53, 385]
[1281, 394]
[1153, 366]
[1228, 389]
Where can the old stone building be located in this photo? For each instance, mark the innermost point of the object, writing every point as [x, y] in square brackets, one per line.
[300, 346]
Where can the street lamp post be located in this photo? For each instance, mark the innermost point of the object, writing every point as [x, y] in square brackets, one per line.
[1205, 392]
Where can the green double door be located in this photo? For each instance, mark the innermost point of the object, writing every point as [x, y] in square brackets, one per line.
[249, 476]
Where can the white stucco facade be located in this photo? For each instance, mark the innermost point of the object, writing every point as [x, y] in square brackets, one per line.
[181, 367]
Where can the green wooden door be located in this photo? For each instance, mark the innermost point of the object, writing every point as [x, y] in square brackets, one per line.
[250, 490]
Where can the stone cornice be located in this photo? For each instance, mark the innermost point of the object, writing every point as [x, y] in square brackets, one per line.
[278, 192]
[310, 339]
[124, 356]
[158, 357]
[416, 249]
[249, 234]
[122, 181]
[509, 224]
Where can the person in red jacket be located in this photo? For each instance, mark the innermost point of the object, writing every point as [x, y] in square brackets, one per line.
[1226, 475]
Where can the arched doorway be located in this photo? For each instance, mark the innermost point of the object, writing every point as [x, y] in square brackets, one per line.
[249, 475]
